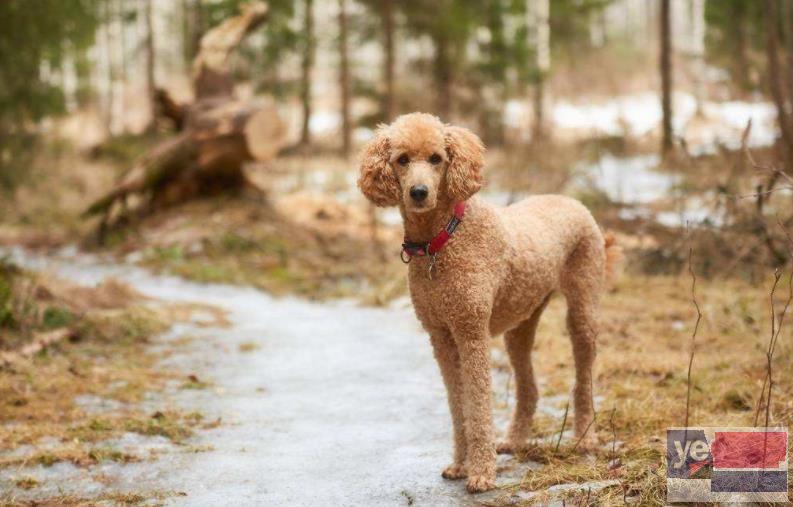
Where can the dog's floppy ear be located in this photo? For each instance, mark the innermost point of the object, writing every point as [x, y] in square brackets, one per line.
[466, 159]
[377, 180]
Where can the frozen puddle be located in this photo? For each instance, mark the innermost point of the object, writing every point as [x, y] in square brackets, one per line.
[637, 183]
[337, 405]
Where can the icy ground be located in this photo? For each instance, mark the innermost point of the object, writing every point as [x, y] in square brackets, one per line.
[338, 405]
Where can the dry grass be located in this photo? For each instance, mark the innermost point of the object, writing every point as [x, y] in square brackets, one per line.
[107, 498]
[641, 374]
[108, 359]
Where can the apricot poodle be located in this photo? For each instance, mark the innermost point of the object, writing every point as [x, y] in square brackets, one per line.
[478, 270]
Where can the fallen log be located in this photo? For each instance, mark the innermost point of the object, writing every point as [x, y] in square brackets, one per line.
[169, 108]
[216, 134]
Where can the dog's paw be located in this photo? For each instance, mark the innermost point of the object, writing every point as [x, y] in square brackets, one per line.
[480, 483]
[507, 447]
[454, 471]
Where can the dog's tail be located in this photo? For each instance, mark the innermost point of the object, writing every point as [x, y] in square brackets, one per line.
[614, 258]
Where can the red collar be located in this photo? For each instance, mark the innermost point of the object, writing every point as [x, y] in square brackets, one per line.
[438, 242]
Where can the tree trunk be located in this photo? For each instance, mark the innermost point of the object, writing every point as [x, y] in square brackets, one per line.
[443, 78]
[666, 75]
[389, 105]
[776, 78]
[539, 111]
[122, 42]
[698, 51]
[597, 27]
[187, 33]
[344, 80]
[787, 16]
[194, 28]
[492, 84]
[111, 77]
[540, 14]
[151, 89]
[740, 68]
[306, 68]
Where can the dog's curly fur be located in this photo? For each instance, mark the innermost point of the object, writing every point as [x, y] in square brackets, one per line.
[496, 275]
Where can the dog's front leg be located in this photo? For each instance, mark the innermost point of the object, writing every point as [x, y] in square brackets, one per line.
[474, 350]
[449, 362]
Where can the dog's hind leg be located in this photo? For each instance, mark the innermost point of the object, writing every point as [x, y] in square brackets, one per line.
[519, 342]
[449, 362]
[582, 283]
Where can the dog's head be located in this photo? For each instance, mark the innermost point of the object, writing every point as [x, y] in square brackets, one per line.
[418, 161]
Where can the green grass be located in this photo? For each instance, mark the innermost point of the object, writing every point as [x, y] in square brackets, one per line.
[6, 294]
[55, 317]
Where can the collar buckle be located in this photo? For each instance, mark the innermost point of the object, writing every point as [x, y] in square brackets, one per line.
[431, 266]
[431, 249]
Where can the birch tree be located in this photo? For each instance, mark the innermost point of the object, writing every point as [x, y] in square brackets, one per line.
[697, 49]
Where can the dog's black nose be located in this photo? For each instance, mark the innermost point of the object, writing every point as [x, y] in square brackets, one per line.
[419, 192]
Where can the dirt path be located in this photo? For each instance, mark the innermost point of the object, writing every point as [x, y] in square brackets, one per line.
[321, 404]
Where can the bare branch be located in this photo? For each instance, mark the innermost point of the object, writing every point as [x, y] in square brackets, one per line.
[564, 422]
[586, 430]
[764, 192]
[776, 329]
[613, 433]
[693, 334]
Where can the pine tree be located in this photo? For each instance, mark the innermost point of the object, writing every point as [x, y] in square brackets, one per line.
[34, 36]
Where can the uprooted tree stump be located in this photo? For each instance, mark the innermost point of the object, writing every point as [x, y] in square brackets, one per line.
[215, 136]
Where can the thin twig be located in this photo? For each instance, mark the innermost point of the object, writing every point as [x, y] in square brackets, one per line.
[772, 170]
[787, 235]
[586, 430]
[614, 452]
[776, 329]
[594, 414]
[768, 379]
[764, 192]
[693, 334]
[768, 168]
[747, 131]
[564, 422]
[613, 433]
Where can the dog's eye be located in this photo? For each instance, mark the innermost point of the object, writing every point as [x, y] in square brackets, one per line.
[435, 159]
[403, 160]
